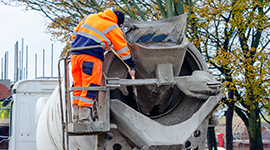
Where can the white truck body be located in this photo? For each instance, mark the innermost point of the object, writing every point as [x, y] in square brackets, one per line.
[23, 124]
[49, 128]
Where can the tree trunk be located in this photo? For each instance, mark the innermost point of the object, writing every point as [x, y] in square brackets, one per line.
[229, 118]
[255, 133]
[211, 138]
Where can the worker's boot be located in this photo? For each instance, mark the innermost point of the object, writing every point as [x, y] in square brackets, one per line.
[85, 114]
[75, 113]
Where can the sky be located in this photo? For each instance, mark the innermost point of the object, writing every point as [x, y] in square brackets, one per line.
[17, 24]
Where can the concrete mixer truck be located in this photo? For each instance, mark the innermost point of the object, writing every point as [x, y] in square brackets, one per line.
[167, 106]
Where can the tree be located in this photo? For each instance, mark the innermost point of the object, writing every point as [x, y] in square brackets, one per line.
[234, 37]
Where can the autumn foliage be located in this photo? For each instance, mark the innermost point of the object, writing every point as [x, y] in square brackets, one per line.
[234, 38]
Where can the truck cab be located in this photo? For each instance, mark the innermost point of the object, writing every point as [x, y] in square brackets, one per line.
[23, 114]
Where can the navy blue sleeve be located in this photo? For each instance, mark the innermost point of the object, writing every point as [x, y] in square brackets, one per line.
[130, 63]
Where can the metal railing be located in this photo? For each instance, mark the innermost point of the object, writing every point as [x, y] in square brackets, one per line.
[65, 100]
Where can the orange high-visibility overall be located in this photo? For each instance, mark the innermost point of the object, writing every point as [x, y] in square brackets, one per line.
[95, 29]
[86, 71]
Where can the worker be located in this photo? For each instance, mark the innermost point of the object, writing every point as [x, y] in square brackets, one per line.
[103, 29]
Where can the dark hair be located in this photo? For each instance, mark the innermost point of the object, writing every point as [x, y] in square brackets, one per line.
[120, 16]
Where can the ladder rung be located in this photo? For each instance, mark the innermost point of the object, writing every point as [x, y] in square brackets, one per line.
[89, 128]
[103, 88]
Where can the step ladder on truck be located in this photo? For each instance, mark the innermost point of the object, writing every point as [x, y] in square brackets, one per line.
[70, 128]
